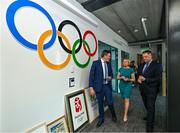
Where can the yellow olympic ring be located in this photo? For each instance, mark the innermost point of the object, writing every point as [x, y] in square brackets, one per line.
[41, 53]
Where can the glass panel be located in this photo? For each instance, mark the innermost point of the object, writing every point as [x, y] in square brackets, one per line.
[114, 62]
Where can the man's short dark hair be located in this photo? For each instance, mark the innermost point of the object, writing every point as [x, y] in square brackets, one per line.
[147, 51]
[105, 52]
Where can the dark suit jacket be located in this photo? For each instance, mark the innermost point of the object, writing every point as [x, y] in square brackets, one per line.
[152, 74]
[96, 75]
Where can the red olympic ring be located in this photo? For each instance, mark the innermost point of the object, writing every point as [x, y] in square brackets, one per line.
[96, 43]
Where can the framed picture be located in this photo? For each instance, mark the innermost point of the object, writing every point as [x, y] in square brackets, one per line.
[76, 110]
[92, 105]
[58, 126]
[39, 128]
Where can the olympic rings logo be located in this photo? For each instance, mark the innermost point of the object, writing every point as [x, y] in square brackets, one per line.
[40, 46]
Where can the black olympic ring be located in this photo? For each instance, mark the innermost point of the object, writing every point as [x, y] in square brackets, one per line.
[65, 22]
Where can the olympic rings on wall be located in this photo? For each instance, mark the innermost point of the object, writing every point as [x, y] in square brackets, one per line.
[84, 38]
[40, 46]
[41, 54]
[10, 15]
[74, 54]
[62, 24]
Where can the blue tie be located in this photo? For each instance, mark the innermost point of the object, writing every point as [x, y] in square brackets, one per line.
[145, 67]
[106, 70]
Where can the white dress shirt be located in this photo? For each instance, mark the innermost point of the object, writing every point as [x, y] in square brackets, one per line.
[103, 66]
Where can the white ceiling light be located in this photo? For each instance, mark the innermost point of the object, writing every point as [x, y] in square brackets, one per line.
[143, 20]
[119, 31]
[136, 30]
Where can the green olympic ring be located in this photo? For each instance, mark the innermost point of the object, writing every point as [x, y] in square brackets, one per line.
[74, 54]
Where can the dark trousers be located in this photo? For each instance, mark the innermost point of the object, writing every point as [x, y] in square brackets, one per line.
[106, 93]
[149, 95]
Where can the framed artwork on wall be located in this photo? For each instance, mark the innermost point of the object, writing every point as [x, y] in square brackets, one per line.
[76, 110]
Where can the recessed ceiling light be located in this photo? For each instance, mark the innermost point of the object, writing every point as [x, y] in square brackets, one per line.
[136, 30]
[119, 31]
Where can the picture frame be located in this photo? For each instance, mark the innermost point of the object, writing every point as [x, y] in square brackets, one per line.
[58, 126]
[41, 127]
[92, 105]
[76, 109]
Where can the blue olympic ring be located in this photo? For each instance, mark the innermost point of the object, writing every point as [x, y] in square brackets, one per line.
[11, 11]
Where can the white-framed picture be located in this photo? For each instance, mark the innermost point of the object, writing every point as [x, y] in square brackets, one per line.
[92, 105]
[39, 128]
[58, 126]
[76, 110]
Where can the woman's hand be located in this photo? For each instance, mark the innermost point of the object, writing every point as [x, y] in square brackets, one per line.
[123, 78]
[119, 77]
[126, 79]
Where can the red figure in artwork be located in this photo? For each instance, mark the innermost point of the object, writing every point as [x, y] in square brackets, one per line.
[78, 105]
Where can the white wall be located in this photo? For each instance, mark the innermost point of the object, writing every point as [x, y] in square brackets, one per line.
[134, 51]
[32, 92]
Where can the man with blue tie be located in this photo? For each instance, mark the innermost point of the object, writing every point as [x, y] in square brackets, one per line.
[149, 76]
[100, 78]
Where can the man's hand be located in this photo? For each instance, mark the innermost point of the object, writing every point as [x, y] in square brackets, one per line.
[91, 91]
[109, 78]
[142, 78]
[139, 81]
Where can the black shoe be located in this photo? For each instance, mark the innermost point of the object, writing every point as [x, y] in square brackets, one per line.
[149, 129]
[145, 118]
[99, 123]
[114, 119]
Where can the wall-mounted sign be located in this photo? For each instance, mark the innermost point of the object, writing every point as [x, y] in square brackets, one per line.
[71, 82]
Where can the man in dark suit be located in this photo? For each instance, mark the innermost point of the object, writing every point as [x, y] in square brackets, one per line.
[100, 83]
[149, 75]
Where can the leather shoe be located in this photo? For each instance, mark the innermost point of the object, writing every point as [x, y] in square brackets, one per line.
[149, 129]
[99, 123]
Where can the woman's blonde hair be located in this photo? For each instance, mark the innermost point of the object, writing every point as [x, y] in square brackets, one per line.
[127, 60]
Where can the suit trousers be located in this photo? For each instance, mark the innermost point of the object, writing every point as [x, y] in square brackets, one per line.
[149, 95]
[106, 93]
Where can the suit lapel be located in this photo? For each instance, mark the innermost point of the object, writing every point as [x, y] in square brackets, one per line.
[150, 65]
[101, 67]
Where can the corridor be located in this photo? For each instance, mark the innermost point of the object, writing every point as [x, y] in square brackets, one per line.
[48, 50]
[136, 113]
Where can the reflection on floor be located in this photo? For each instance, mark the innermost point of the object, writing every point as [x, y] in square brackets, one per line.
[136, 113]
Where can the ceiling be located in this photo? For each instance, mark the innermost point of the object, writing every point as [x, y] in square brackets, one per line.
[124, 17]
